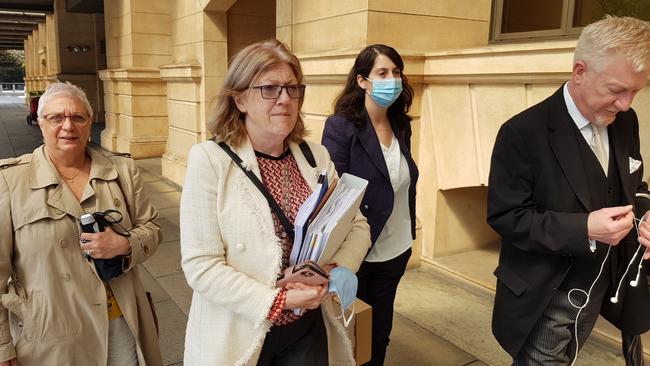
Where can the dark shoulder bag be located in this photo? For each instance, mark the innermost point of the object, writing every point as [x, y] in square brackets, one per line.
[306, 151]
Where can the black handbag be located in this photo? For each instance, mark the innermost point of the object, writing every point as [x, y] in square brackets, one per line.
[107, 269]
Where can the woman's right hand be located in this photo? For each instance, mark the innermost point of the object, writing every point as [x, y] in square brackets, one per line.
[304, 296]
[12, 362]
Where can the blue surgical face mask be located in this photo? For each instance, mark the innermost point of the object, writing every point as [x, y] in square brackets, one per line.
[385, 91]
[344, 284]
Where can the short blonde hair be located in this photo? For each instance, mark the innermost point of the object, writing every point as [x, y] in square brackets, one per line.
[226, 122]
[67, 89]
[626, 36]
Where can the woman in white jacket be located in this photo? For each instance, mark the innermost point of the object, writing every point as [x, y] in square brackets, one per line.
[233, 245]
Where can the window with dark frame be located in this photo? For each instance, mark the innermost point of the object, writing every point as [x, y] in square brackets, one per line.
[540, 19]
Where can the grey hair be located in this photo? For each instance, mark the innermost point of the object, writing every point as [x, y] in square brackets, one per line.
[63, 89]
[626, 36]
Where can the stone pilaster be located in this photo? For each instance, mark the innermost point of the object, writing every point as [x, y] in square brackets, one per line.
[136, 111]
[138, 41]
[186, 117]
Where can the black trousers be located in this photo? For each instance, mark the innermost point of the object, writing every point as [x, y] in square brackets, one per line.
[303, 342]
[378, 286]
[632, 349]
[552, 341]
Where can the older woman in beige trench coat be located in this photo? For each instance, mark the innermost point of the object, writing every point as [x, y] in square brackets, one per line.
[55, 309]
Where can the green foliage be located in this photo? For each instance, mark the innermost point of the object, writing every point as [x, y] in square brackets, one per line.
[633, 8]
[12, 65]
[12, 57]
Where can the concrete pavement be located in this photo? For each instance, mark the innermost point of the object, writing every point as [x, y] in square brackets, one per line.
[440, 319]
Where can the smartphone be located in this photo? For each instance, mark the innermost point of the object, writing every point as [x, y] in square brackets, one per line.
[308, 273]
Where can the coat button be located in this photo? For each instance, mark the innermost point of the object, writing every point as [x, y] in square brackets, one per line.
[116, 202]
[241, 247]
[365, 207]
[63, 243]
[145, 249]
[65, 276]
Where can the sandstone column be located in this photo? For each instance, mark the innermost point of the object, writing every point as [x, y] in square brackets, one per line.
[138, 41]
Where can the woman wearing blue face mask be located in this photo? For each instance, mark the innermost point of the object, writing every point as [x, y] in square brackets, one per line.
[369, 136]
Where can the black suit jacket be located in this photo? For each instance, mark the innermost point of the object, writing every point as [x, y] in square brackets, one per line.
[538, 201]
[354, 148]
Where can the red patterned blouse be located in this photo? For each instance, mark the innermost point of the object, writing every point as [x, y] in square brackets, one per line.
[283, 180]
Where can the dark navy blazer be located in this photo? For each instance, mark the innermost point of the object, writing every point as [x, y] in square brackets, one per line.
[354, 148]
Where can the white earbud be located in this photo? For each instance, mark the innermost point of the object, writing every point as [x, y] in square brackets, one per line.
[613, 299]
[635, 282]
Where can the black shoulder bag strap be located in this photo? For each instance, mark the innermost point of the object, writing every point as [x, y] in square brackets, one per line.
[288, 227]
[306, 151]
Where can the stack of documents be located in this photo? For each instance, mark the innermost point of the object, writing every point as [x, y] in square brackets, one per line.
[325, 218]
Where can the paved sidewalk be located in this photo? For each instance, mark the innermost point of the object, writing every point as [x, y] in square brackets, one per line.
[16, 137]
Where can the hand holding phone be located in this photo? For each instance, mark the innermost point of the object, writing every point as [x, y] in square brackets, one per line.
[308, 273]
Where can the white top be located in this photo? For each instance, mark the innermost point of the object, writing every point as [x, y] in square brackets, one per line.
[395, 237]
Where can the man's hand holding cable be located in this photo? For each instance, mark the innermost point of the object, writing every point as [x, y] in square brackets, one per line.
[610, 224]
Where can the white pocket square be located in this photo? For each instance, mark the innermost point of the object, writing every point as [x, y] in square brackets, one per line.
[634, 165]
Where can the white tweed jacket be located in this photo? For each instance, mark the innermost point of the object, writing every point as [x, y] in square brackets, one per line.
[231, 257]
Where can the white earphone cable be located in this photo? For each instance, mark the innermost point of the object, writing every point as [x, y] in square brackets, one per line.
[613, 299]
[587, 294]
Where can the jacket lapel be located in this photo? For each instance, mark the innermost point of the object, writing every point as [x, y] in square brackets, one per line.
[254, 199]
[43, 175]
[563, 143]
[621, 154]
[370, 142]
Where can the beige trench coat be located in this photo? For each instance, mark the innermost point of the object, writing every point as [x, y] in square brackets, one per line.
[54, 308]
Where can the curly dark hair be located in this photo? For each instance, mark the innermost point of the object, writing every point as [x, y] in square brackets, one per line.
[350, 102]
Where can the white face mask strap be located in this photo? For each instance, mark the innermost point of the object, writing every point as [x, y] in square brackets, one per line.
[346, 321]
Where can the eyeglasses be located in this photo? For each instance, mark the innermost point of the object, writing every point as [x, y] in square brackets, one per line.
[79, 119]
[274, 91]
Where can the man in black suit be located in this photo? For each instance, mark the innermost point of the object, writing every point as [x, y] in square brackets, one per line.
[563, 177]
